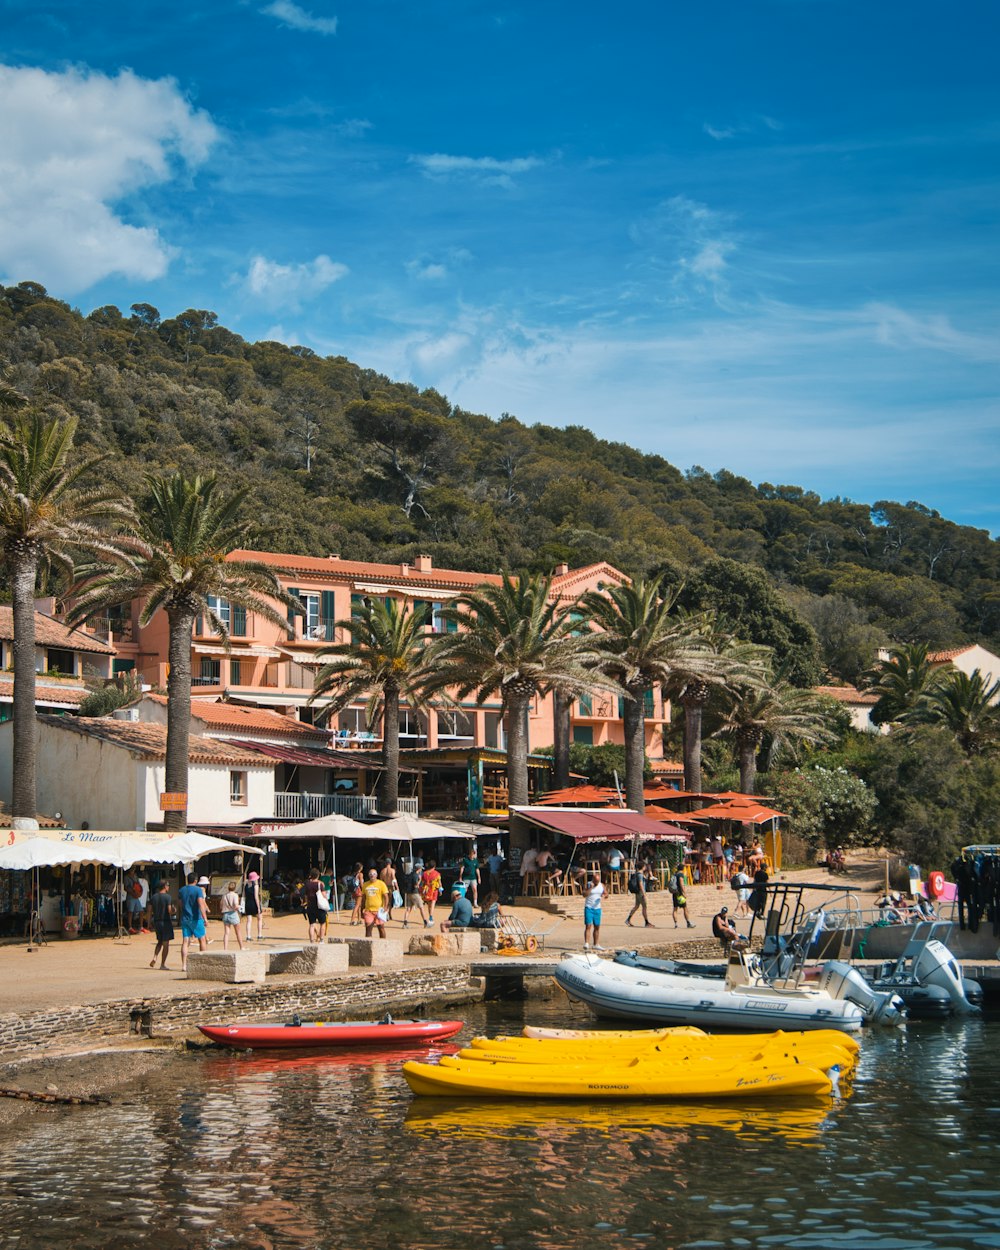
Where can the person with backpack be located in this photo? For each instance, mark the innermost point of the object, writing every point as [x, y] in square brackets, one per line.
[409, 885]
[430, 888]
[637, 887]
[676, 887]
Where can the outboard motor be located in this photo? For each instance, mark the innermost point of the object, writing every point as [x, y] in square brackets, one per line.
[936, 965]
[840, 980]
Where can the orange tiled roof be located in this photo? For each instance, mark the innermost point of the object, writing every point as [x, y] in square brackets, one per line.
[335, 568]
[247, 719]
[944, 657]
[847, 694]
[149, 742]
[47, 693]
[565, 581]
[52, 633]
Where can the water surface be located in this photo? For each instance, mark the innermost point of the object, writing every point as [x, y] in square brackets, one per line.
[267, 1151]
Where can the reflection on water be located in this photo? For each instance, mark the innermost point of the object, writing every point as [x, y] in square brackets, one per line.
[275, 1150]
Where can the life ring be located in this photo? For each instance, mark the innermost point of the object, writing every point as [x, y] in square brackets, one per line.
[935, 884]
[71, 925]
[530, 944]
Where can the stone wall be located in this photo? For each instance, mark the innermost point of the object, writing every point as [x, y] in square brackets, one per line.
[364, 996]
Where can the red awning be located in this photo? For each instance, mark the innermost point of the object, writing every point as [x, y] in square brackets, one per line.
[349, 761]
[602, 826]
[743, 813]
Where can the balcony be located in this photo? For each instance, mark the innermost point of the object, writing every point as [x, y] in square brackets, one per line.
[111, 630]
[289, 805]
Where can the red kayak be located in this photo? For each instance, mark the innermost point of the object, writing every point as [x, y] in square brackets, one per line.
[349, 1033]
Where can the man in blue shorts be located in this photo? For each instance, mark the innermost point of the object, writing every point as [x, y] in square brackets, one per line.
[194, 914]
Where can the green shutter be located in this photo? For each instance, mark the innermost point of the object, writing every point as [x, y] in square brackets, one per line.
[292, 613]
[647, 703]
[238, 626]
[327, 612]
[357, 603]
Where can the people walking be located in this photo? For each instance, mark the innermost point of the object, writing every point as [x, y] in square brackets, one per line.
[374, 895]
[312, 908]
[469, 873]
[637, 887]
[163, 924]
[230, 904]
[741, 884]
[677, 887]
[592, 914]
[409, 882]
[194, 916]
[430, 888]
[252, 905]
[388, 875]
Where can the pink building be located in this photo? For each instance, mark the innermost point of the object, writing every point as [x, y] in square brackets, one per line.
[275, 668]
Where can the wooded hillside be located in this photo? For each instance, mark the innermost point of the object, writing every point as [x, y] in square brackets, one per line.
[342, 459]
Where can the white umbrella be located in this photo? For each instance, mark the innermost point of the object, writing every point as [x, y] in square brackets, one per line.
[335, 826]
[413, 829]
[190, 846]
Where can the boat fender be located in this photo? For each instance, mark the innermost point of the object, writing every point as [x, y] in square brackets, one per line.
[935, 884]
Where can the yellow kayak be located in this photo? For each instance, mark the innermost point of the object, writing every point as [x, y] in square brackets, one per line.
[638, 1081]
[597, 1041]
[822, 1055]
[538, 1033]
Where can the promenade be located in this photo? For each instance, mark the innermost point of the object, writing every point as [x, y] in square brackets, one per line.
[95, 970]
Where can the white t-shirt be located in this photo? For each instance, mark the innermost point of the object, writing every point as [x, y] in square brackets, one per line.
[529, 861]
[144, 896]
[593, 899]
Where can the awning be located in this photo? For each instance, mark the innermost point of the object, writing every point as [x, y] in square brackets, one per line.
[235, 653]
[350, 761]
[601, 826]
[39, 848]
[742, 813]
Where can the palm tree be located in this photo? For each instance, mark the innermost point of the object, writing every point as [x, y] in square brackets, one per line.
[643, 643]
[180, 542]
[46, 519]
[902, 682]
[732, 662]
[967, 705]
[387, 659]
[514, 640]
[772, 709]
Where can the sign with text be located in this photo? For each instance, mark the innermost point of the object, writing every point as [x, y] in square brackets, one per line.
[173, 802]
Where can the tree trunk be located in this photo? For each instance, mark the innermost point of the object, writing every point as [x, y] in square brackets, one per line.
[635, 750]
[389, 787]
[517, 748]
[178, 714]
[693, 713]
[561, 704]
[748, 764]
[25, 759]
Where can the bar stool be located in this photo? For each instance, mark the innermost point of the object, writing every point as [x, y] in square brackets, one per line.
[531, 884]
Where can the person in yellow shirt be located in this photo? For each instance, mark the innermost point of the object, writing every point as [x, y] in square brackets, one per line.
[374, 903]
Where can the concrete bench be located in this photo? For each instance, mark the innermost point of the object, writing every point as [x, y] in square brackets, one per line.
[455, 942]
[369, 952]
[309, 960]
[234, 967]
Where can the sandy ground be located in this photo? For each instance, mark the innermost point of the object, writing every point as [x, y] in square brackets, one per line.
[89, 970]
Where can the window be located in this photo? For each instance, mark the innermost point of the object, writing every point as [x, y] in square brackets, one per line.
[238, 788]
[209, 674]
[58, 661]
[221, 608]
[586, 702]
[122, 666]
[583, 734]
[235, 673]
[311, 617]
[438, 622]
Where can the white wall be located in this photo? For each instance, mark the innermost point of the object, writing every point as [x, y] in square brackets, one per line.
[83, 778]
[89, 780]
[978, 657]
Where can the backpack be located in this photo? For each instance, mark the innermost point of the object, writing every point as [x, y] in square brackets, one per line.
[633, 882]
[735, 883]
[136, 890]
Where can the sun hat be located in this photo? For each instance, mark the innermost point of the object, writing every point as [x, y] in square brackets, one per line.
[204, 881]
[252, 876]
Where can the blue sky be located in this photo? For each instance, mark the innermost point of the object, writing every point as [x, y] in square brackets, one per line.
[755, 234]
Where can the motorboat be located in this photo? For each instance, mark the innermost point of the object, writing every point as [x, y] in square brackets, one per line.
[744, 999]
[927, 976]
[320, 1034]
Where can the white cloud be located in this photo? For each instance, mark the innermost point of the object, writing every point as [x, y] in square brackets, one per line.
[77, 145]
[693, 241]
[285, 286]
[426, 272]
[719, 132]
[290, 14]
[488, 170]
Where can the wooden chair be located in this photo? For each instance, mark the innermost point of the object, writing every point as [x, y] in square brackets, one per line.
[531, 884]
